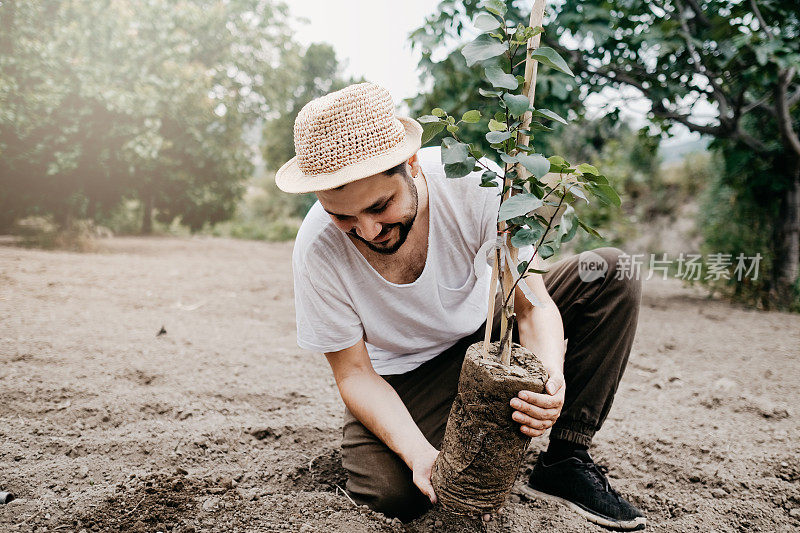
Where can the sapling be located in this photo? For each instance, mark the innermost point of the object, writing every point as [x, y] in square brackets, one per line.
[538, 195]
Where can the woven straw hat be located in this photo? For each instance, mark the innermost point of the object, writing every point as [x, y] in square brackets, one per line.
[345, 136]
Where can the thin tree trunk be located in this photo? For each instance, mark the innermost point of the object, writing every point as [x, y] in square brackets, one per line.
[787, 257]
[529, 89]
[147, 213]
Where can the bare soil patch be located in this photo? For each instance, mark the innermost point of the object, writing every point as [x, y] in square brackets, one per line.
[223, 424]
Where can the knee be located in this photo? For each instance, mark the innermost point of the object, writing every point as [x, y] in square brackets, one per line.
[624, 272]
[405, 502]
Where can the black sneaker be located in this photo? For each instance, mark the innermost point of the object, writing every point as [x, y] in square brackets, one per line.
[582, 486]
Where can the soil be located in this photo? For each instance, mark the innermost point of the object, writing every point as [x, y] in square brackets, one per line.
[222, 424]
[483, 448]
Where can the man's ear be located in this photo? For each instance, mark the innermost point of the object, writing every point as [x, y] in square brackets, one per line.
[413, 163]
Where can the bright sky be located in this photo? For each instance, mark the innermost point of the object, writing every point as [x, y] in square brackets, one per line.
[370, 37]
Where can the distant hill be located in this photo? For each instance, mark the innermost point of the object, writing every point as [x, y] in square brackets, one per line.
[674, 150]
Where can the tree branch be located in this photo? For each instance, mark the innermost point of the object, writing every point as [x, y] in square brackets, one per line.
[701, 68]
[660, 111]
[698, 13]
[761, 21]
[784, 117]
[761, 104]
[795, 98]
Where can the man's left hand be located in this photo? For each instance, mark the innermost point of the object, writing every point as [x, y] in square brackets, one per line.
[536, 413]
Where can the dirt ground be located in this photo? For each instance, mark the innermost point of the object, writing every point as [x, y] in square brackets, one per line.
[224, 424]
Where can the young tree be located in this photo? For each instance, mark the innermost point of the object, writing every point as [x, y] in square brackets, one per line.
[534, 210]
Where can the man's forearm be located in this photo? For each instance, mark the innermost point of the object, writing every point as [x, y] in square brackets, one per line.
[541, 330]
[376, 405]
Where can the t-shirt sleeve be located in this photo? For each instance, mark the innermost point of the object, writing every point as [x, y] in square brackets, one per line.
[326, 321]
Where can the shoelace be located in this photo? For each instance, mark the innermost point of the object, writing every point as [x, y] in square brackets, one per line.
[599, 474]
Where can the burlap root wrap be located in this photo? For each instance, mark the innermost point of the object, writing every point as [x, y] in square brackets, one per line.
[483, 447]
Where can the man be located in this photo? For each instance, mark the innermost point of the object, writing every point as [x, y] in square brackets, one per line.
[386, 286]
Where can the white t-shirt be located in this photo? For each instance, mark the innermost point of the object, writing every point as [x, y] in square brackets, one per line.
[340, 298]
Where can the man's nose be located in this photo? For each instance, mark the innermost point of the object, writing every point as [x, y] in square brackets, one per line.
[369, 228]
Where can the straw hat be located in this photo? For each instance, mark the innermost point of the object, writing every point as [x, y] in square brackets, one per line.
[345, 136]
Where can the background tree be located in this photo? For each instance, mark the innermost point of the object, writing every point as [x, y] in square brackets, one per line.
[739, 56]
[101, 100]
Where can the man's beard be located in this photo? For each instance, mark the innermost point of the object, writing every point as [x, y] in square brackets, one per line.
[403, 227]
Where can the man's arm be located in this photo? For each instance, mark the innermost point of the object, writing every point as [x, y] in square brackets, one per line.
[541, 330]
[376, 405]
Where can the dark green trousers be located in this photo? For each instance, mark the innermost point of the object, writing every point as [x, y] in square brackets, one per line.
[600, 317]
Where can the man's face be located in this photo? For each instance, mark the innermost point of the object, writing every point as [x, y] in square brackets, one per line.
[378, 211]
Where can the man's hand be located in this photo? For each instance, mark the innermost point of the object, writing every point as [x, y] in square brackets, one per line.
[422, 466]
[538, 412]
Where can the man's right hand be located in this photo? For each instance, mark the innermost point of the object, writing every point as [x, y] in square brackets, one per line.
[376, 405]
[422, 467]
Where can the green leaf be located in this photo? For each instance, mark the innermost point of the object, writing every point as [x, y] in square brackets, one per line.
[495, 137]
[498, 78]
[526, 148]
[570, 234]
[566, 226]
[495, 125]
[577, 191]
[475, 151]
[459, 170]
[550, 57]
[591, 231]
[438, 112]
[471, 117]
[538, 126]
[557, 161]
[453, 151]
[487, 93]
[510, 159]
[546, 251]
[452, 128]
[427, 118]
[546, 113]
[482, 48]
[586, 168]
[488, 179]
[605, 193]
[519, 205]
[537, 271]
[498, 7]
[600, 179]
[485, 22]
[517, 104]
[526, 236]
[431, 130]
[535, 163]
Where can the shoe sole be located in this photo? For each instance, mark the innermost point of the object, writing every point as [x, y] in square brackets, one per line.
[636, 524]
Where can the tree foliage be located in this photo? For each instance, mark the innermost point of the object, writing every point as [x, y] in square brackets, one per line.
[102, 100]
[741, 57]
[737, 59]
